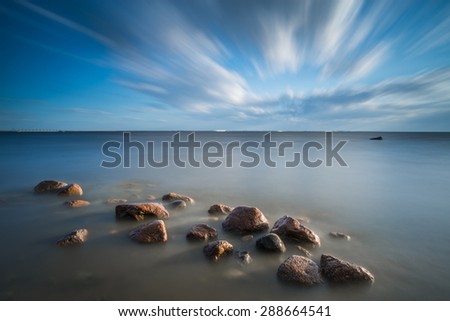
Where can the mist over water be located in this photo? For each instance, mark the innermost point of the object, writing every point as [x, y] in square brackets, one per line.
[392, 199]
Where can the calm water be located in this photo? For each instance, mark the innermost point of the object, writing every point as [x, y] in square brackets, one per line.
[393, 199]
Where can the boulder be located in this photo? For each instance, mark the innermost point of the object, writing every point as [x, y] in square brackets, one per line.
[77, 203]
[76, 237]
[271, 242]
[139, 211]
[216, 249]
[152, 232]
[299, 270]
[70, 190]
[201, 232]
[49, 186]
[339, 235]
[244, 257]
[337, 270]
[291, 229]
[115, 201]
[176, 205]
[174, 196]
[220, 209]
[245, 219]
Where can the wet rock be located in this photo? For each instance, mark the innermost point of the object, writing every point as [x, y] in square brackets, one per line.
[74, 238]
[153, 232]
[271, 242]
[299, 270]
[201, 232]
[77, 203]
[377, 138]
[338, 270]
[174, 196]
[70, 190]
[244, 257]
[304, 251]
[245, 219]
[339, 235]
[220, 209]
[139, 211]
[291, 229]
[216, 249]
[49, 186]
[247, 238]
[115, 201]
[176, 205]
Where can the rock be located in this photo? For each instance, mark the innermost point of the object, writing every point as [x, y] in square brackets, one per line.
[115, 201]
[152, 232]
[70, 190]
[377, 138]
[174, 196]
[291, 229]
[304, 251]
[245, 219]
[77, 203]
[138, 211]
[201, 232]
[244, 257]
[338, 270]
[216, 249]
[48, 186]
[271, 242]
[339, 235]
[74, 238]
[176, 205]
[220, 209]
[247, 238]
[300, 270]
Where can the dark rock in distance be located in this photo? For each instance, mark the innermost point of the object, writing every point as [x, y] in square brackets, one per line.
[291, 229]
[220, 209]
[139, 211]
[153, 232]
[70, 190]
[201, 232]
[245, 219]
[175, 196]
[49, 186]
[377, 138]
[337, 270]
[299, 270]
[216, 249]
[76, 237]
[271, 242]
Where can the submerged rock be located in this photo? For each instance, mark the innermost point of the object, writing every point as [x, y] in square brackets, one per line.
[291, 229]
[70, 190]
[220, 209]
[176, 205]
[115, 201]
[300, 270]
[339, 235]
[338, 270]
[377, 138]
[201, 232]
[304, 251]
[245, 219]
[247, 238]
[49, 186]
[174, 196]
[271, 242]
[73, 238]
[152, 232]
[244, 257]
[216, 249]
[139, 211]
[77, 203]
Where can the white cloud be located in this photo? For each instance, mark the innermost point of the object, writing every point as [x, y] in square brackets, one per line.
[367, 63]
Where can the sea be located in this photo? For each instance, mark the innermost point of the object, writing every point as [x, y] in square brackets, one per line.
[392, 196]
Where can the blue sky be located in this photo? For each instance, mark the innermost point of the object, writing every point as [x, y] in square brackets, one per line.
[233, 65]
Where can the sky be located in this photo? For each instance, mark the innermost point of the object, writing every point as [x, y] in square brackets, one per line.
[225, 65]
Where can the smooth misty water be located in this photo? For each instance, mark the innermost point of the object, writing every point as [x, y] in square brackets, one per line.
[393, 200]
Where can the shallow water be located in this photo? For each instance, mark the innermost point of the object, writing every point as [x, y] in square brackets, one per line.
[392, 199]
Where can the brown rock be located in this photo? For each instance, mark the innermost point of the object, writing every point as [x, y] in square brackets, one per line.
[245, 219]
[201, 232]
[174, 196]
[48, 186]
[214, 250]
[271, 243]
[77, 203]
[291, 229]
[70, 190]
[220, 209]
[152, 232]
[300, 270]
[338, 270]
[138, 211]
[115, 201]
[74, 238]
